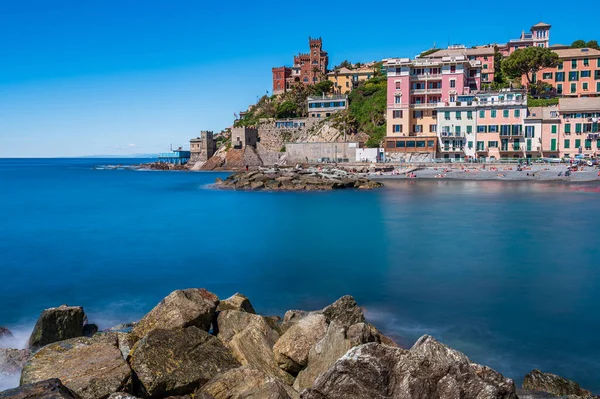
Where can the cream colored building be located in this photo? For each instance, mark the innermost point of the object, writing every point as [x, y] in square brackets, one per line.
[344, 79]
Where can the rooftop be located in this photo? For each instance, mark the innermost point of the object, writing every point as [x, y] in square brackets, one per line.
[461, 51]
[577, 52]
[579, 104]
[541, 25]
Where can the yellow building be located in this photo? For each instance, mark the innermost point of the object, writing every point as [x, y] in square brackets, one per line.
[344, 79]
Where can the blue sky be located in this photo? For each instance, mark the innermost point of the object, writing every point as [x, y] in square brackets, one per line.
[122, 77]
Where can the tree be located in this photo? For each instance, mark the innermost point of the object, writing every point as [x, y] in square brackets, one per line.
[344, 64]
[528, 61]
[499, 79]
[286, 109]
[593, 44]
[578, 44]
[325, 86]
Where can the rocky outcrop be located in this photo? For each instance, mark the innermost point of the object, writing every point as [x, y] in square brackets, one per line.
[89, 330]
[251, 338]
[93, 368]
[178, 361]
[122, 395]
[5, 333]
[180, 309]
[429, 370]
[48, 389]
[57, 324]
[344, 311]
[245, 382]
[291, 350]
[236, 302]
[12, 360]
[296, 179]
[552, 384]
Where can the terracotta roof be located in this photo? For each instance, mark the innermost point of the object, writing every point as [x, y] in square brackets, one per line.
[461, 51]
[579, 104]
[480, 51]
[541, 25]
[535, 113]
[577, 52]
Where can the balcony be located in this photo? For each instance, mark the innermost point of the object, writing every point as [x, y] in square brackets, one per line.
[482, 150]
[426, 76]
[396, 106]
[511, 149]
[426, 91]
[454, 149]
[452, 134]
[425, 105]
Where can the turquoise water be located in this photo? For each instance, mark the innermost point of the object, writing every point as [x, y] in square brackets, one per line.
[506, 272]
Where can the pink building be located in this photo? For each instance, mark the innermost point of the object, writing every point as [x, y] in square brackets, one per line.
[578, 130]
[538, 36]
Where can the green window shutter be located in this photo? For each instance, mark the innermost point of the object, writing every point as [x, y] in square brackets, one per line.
[595, 127]
[598, 144]
[577, 143]
[482, 114]
[517, 113]
[469, 114]
[553, 145]
[493, 113]
[588, 143]
[447, 115]
[469, 129]
[458, 113]
[578, 128]
[598, 87]
[567, 128]
[553, 128]
[528, 144]
[567, 144]
[585, 86]
[573, 87]
[506, 113]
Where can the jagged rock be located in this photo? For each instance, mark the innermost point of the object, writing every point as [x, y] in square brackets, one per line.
[12, 360]
[48, 389]
[57, 324]
[429, 370]
[93, 368]
[336, 342]
[122, 395]
[125, 343]
[291, 350]
[251, 338]
[125, 327]
[5, 333]
[553, 384]
[292, 317]
[245, 382]
[180, 309]
[345, 311]
[236, 302]
[89, 330]
[179, 361]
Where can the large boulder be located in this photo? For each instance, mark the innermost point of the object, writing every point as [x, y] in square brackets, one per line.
[122, 395]
[5, 333]
[552, 384]
[292, 317]
[12, 360]
[48, 389]
[180, 309]
[345, 311]
[57, 324]
[177, 362]
[429, 370]
[291, 350]
[336, 342]
[93, 368]
[245, 382]
[251, 338]
[236, 302]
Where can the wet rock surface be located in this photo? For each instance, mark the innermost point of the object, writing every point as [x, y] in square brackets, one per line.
[57, 324]
[48, 389]
[12, 360]
[297, 179]
[245, 382]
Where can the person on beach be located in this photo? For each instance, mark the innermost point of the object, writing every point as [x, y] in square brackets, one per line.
[246, 168]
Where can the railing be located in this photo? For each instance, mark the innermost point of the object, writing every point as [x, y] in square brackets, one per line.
[452, 149]
[425, 105]
[426, 76]
[427, 91]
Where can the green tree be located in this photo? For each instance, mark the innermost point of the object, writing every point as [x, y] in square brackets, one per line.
[325, 86]
[528, 61]
[578, 44]
[286, 109]
[593, 44]
[344, 64]
[428, 52]
[499, 78]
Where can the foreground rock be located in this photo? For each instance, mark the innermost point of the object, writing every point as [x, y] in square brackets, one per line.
[344, 311]
[93, 368]
[296, 179]
[428, 370]
[177, 362]
[5, 333]
[57, 324]
[48, 389]
[552, 384]
[236, 302]
[180, 309]
[291, 350]
[245, 382]
[12, 360]
[251, 339]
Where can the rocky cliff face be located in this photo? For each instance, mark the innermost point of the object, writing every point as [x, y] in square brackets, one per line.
[192, 345]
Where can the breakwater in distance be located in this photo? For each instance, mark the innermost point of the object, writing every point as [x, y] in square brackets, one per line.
[502, 271]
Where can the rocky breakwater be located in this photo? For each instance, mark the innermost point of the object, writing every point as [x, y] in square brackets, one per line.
[192, 345]
[297, 179]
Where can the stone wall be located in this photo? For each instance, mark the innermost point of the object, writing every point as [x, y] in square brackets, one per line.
[312, 152]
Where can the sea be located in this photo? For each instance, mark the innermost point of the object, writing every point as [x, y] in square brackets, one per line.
[506, 272]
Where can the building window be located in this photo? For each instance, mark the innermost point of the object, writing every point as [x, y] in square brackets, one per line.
[493, 113]
[397, 114]
[577, 143]
[573, 76]
[586, 62]
[470, 144]
[547, 75]
[417, 114]
[598, 87]
[584, 86]
[469, 114]
[529, 131]
[397, 128]
[485, 66]
[469, 129]
[432, 128]
[573, 88]
[480, 146]
[597, 74]
[578, 128]
[560, 66]
[493, 129]
[458, 115]
[482, 114]
[397, 99]
[588, 144]
[568, 128]
[559, 77]
[457, 130]
[586, 74]
[492, 144]
[505, 113]
[481, 129]
[517, 113]
[573, 64]
[554, 129]
[559, 89]
[452, 83]
[418, 128]
[447, 115]
[484, 76]
[553, 145]
[400, 144]
[398, 85]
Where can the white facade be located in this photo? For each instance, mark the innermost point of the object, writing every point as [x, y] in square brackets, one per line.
[370, 155]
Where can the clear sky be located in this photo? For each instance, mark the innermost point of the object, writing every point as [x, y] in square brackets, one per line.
[131, 76]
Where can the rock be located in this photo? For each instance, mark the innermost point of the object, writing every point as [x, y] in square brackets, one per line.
[345, 311]
[245, 382]
[236, 302]
[93, 368]
[89, 330]
[336, 342]
[291, 350]
[428, 370]
[251, 338]
[5, 333]
[57, 324]
[126, 327]
[180, 309]
[291, 317]
[553, 384]
[125, 342]
[48, 389]
[13, 360]
[179, 361]
[122, 395]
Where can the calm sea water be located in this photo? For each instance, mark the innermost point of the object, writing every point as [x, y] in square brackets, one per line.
[508, 273]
